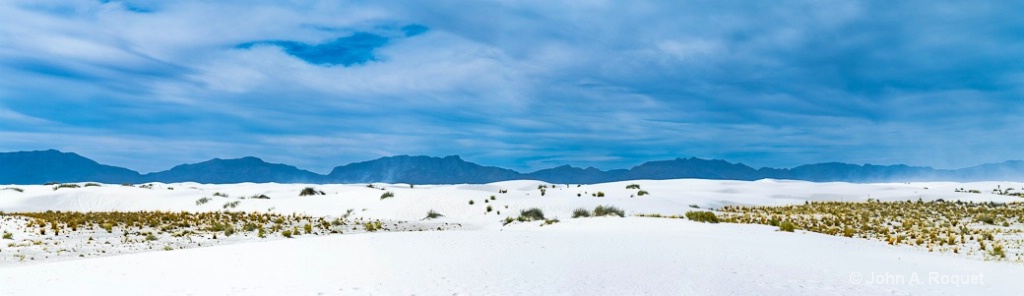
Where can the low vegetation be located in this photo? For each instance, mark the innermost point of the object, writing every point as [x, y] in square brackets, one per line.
[702, 216]
[580, 213]
[310, 191]
[958, 227]
[433, 215]
[66, 186]
[387, 194]
[533, 214]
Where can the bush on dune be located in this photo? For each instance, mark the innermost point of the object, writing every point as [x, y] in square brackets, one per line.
[308, 191]
[533, 214]
[702, 216]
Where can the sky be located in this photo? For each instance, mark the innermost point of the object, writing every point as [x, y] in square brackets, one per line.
[519, 84]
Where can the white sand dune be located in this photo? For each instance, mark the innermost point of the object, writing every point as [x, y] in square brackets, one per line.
[593, 256]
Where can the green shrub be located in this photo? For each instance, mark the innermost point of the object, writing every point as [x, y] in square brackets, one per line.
[532, 214]
[787, 226]
[580, 212]
[8, 235]
[202, 201]
[508, 220]
[489, 208]
[471, 202]
[310, 191]
[92, 185]
[14, 189]
[220, 194]
[633, 186]
[66, 186]
[987, 219]
[598, 194]
[608, 210]
[373, 226]
[168, 248]
[702, 216]
[232, 205]
[151, 237]
[286, 233]
[259, 196]
[433, 215]
[642, 193]
[387, 194]
[308, 228]
[997, 251]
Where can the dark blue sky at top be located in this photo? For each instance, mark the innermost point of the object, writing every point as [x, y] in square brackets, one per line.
[150, 84]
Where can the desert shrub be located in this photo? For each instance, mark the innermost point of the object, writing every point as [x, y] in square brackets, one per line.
[598, 194]
[92, 185]
[66, 186]
[532, 214]
[50, 183]
[387, 194]
[633, 186]
[549, 222]
[642, 193]
[471, 202]
[580, 212]
[433, 215]
[219, 194]
[259, 196]
[493, 198]
[168, 248]
[202, 201]
[373, 226]
[693, 206]
[8, 235]
[286, 233]
[997, 251]
[14, 189]
[151, 237]
[232, 204]
[702, 216]
[543, 192]
[987, 219]
[310, 191]
[489, 208]
[787, 226]
[308, 228]
[502, 191]
[508, 220]
[608, 210]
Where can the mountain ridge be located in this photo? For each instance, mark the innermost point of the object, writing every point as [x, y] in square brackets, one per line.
[36, 167]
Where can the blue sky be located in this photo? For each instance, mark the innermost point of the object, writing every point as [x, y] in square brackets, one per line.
[520, 84]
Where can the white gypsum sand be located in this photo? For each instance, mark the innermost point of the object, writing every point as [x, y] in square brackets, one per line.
[476, 254]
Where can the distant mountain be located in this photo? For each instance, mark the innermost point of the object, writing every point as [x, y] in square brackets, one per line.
[568, 174]
[419, 170]
[36, 167]
[246, 169]
[834, 171]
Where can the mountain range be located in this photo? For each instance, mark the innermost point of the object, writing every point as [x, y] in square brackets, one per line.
[37, 167]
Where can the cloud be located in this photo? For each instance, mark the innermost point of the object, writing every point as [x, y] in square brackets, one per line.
[517, 84]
